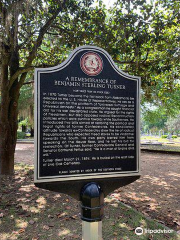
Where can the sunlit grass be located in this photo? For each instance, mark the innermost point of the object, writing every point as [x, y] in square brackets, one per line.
[127, 221]
[143, 223]
[160, 139]
[34, 210]
[20, 223]
[43, 215]
[64, 232]
[123, 225]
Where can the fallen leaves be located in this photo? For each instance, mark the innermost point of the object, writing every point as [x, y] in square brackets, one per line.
[21, 231]
[131, 228]
[68, 208]
[151, 237]
[74, 217]
[162, 222]
[31, 222]
[177, 222]
[57, 214]
[76, 236]
[112, 224]
[65, 216]
[46, 227]
[51, 225]
[61, 215]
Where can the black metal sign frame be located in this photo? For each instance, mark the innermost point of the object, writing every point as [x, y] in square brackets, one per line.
[101, 62]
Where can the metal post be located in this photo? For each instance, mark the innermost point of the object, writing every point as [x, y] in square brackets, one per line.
[92, 210]
[91, 230]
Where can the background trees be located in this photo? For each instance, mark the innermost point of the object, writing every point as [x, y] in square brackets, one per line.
[142, 38]
[23, 28]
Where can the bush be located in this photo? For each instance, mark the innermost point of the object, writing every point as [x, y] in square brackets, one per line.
[21, 135]
[174, 136]
[164, 136]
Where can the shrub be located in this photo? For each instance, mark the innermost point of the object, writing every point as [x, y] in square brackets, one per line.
[174, 136]
[21, 135]
[164, 136]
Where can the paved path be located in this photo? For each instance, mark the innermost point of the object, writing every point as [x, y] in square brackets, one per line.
[24, 153]
[156, 193]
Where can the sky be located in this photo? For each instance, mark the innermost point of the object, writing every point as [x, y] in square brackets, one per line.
[109, 3]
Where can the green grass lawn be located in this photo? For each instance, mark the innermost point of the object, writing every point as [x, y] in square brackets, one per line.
[159, 139]
[123, 220]
[172, 145]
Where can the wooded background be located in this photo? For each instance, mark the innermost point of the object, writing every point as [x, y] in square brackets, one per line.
[142, 38]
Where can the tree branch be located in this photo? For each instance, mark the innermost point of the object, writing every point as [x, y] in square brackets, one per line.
[17, 73]
[145, 57]
[42, 32]
[28, 82]
[61, 28]
[22, 79]
[45, 51]
[32, 54]
[54, 34]
[26, 39]
[124, 62]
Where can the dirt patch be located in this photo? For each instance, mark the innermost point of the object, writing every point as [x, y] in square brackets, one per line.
[29, 213]
[155, 194]
[24, 153]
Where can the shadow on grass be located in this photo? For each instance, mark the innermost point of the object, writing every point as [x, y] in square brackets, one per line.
[29, 213]
[156, 193]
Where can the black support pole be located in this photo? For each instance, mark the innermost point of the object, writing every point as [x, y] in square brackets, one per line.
[92, 211]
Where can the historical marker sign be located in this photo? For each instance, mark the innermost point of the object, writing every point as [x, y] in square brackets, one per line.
[87, 119]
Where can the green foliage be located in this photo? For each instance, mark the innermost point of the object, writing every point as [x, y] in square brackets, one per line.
[142, 38]
[26, 103]
[21, 135]
[173, 136]
[173, 124]
[153, 117]
[26, 97]
[25, 122]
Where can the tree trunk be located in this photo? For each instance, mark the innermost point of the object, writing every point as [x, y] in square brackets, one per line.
[8, 117]
[10, 86]
[8, 132]
[32, 132]
[24, 128]
[7, 156]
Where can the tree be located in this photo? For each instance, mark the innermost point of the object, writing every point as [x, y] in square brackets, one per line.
[153, 118]
[23, 28]
[26, 106]
[142, 39]
[173, 124]
[150, 35]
